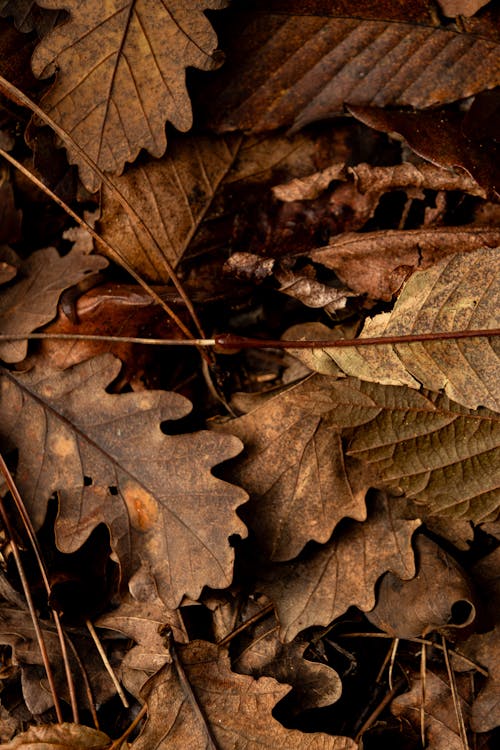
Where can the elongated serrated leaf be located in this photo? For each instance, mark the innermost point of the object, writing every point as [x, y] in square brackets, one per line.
[462, 292]
[110, 463]
[121, 74]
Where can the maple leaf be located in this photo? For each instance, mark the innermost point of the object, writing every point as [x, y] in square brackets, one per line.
[323, 583]
[458, 293]
[198, 702]
[121, 74]
[32, 299]
[290, 63]
[109, 461]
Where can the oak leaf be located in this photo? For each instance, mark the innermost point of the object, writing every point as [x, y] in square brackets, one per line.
[64, 736]
[121, 74]
[485, 649]
[28, 16]
[110, 463]
[458, 293]
[200, 703]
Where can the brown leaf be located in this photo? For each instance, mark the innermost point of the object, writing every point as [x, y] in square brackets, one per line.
[294, 468]
[28, 16]
[458, 293]
[121, 74]
[326, 581]
[441, 728]
[289, 64]
[485, 649]
[10, 217]
[9, 263]
[32, 300]
[59, 737]
[171, 196]
[214, 707]
[377, 263]
[110, 462]
[461, 7]
[440, 136]
[439, 598]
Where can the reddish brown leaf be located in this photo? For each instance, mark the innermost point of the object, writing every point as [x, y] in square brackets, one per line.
[461, 7]
[290, 64]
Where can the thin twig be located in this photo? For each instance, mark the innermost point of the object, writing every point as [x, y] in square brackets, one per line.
[455, 696]
[376, 713]
[106, 663]
[244, 625]
[102, 337]
[423, 678]
[394, 651]
[117, 744]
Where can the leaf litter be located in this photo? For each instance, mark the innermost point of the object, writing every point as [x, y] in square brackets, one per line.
[270, 528]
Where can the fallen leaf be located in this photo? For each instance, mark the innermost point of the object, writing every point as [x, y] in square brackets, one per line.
[461, 7]
[440, 597]
[110, 463]
[59, 737]
[121, 75]
[28, 16]
[484, 648]
[294, 469]
[289, 64]
[441, 730]
[10, 217]
[458, 293]
[31, 301]
[209, 706]
[9, 262]
[171, 196]
[377, 263]
[324, 582]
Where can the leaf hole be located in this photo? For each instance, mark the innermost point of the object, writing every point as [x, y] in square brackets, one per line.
[113, 490]
[87, 481]
[462, 612]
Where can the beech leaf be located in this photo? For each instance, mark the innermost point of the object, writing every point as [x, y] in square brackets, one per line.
[458, 293]
[109, 461]
[210, 706]
[121, 74]
[31, 301]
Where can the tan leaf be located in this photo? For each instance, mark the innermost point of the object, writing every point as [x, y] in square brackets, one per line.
[462, 292]
[461, 7]
[210, 706]
[171, 196]
[294, 468]
[59, 737]
[289, 64]
[323, 583]
[110, 462]
[440, 596]
[32, 300]
[121, 74]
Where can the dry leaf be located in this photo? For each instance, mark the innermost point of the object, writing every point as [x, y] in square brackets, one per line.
[377, 263]
[459, 293]
[121, 74]
[484, 648]
[28, 16]
[210, 706]
[110, 462]
[439, 598]
[59, 737]
[461, 7]
[32, 300]
[289, 64]
[324, 582]
[171, 196]
[10, 217]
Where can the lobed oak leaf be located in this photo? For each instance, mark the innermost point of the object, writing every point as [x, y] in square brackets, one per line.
[110, 463]
[198, 702]
[458, 293]
[28, 16]
[121, 74]
[31, 300]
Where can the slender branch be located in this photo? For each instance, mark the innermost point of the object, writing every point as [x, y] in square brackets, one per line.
[113, 339]
[106, 663]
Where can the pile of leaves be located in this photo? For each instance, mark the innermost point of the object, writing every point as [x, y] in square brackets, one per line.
[215, 542]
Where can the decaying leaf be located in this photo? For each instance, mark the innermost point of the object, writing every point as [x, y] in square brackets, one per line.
[59, 737]
[110, 462]
[121, 74]
[440, 597]
[324, 582]
[171, 196]
[208, 706]
[32, 300]
[290, 64]
[459, 293]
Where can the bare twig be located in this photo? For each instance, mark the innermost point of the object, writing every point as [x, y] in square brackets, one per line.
[106, 663]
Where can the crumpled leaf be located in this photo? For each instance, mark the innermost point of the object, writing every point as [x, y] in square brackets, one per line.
[290, 64]
[109, 461]
[459, 293]
[121, 74]
[377, 263]
[171, 196]
[441, 730]
[323, 583]
[440, 596]
[485, 649]
[214, 707]
[64, 736]
[294, 469]
[32, 299]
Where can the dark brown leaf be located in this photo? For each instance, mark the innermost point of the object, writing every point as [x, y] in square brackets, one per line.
[59, 737]
[484, 648]
[28, 16]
